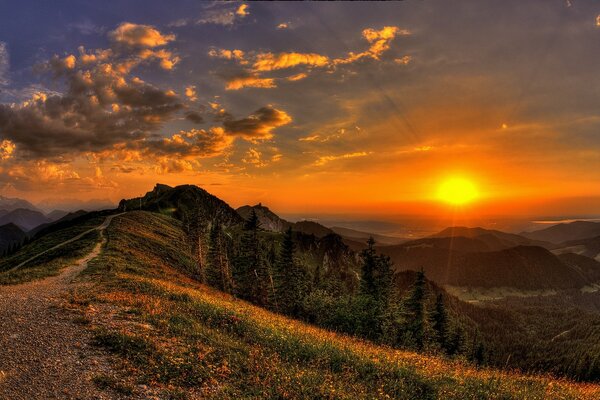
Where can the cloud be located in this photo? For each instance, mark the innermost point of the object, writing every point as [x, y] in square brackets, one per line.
[102, 103]
[190, 93]
[194, 116]
[326, 159]
[223, 16]
[134, 35]
[242, 10]
[264, 62]
[259, 125]
[244, 81]
[271, 62]
[4, 64]
[7, 148]
[254, 157]
[235, 54]
[323, 138]
[297, 77]
[380, 42]
[188, 144]
[404, 60]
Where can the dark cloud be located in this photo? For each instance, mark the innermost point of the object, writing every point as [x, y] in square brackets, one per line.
[194, 116]
[257, 126]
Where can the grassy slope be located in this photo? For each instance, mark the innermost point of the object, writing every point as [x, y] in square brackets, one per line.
[52, 262]
[191, 341]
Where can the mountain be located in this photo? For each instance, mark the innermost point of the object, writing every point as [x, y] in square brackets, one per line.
[272, 222]
[11, 204]
[55, 215]
[495, 240]
[26, 219]
[566, 232]
[186, 203]
[589, 247]
[467, 262]
[176, 332]
[361, 236]
[268, 219]
[57, 223]
[11, 234]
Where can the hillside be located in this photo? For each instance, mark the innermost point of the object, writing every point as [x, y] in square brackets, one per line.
[182, 339]
[495, 240]
[589, 247]
[566, 232]
[361, 236]
[524, 267]
[25, 218]
[10, 235]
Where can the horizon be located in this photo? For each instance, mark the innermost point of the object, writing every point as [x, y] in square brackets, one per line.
[228, 96]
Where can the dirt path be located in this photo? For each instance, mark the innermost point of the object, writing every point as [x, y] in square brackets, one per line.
[43, 353]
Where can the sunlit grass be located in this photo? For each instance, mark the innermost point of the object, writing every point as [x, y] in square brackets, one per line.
[179, 335]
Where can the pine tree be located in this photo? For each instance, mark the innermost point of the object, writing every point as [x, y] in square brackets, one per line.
[414, 308]
[217, 266]
[251, 273]
[369, 258]
[439, 318]
[291, 280]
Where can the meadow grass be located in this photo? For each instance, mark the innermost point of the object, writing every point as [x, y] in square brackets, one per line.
[176, 334]
[52, 262]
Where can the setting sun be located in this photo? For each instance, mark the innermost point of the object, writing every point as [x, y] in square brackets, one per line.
[457, 191]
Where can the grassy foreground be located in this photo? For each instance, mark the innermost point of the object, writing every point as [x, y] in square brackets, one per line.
[186, 340]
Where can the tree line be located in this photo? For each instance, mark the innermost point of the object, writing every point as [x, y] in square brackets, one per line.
[338, 290]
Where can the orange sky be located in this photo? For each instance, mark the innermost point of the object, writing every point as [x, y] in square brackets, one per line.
[309, 108]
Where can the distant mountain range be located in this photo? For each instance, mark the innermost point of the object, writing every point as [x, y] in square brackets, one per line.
[9, 204]
[25, 218]
[566, 232]
[487, 258]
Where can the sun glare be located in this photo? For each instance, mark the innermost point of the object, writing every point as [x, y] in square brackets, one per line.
[457, 191]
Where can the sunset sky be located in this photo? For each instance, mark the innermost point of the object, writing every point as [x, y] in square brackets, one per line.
[307, 107]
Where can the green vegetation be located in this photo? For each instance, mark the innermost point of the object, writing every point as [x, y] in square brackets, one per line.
[50, 263]
[182, 337]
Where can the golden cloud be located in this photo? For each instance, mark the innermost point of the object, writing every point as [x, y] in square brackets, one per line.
[326, 159]
[271, 62]
[254, 81]
[7, 148]
[134, 35]
[190, 93]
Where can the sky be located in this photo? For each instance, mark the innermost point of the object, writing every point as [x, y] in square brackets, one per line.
[354, 108]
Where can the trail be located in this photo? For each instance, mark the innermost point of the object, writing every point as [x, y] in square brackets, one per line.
[101, 228]
[43, 353]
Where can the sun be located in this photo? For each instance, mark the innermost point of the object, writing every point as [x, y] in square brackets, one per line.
[457, 191]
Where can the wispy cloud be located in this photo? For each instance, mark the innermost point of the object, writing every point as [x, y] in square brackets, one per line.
[321, 161]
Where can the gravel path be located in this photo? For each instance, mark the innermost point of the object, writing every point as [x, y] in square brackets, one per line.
[43, 353]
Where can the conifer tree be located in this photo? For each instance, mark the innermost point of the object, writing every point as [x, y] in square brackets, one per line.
[218, 273]
[414, 308]
[290, 284]
[251, 272]
[439, 319]
[369, 258]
